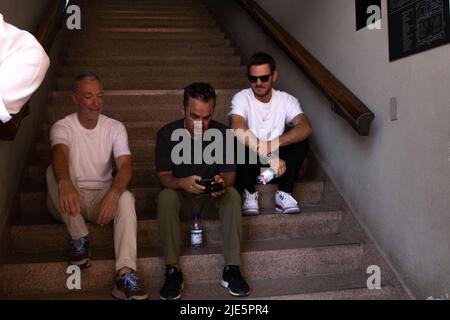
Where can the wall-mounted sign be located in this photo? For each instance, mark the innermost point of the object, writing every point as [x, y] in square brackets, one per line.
[368, 12]
[417, 25]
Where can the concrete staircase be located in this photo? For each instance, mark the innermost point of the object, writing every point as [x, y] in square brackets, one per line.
[146, 52]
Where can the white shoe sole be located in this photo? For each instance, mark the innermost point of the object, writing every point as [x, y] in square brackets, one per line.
[250, 212]
[177, 297]
[225, 284]
[288, 211]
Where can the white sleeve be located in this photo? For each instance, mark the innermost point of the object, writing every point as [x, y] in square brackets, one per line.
[60, 134]
[293, 109]
[120, 140]
[239, 106]
[23, 64]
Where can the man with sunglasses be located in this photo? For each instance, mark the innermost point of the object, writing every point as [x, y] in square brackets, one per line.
[271, 124]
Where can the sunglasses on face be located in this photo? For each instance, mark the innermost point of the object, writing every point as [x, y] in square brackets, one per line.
[264, 78]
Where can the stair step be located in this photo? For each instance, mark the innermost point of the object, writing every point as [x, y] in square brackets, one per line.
[34, 239]
[181, 30]
[147, 23]
[94, 10]
[139, 98]
[342, 286]
[260, 260]
[161, 71]
[152, 50]
[40, 218]
[133, 114]
[144, 175]
[305, 192]
[80, 37]
[163, 82]
[145, 15]
[83, 42]
[199, 59]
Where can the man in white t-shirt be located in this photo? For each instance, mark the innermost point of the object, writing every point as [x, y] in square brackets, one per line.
[81, 186]
[23, 64]
[271, 124]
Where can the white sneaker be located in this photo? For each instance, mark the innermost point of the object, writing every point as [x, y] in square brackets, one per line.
[250, 205]
[285, 203]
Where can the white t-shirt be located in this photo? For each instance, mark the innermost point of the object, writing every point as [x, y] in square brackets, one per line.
[92, 151]
[267, 121]
[23, 64]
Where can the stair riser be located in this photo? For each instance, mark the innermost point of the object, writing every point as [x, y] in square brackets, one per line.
[87, 43]
[48, 238]
[28, 278]
[134, 114]
[135, 102]
[146, 16]
[143, 176]
[145, 10]
[100, 37]
[147, 7]
[153, 50]
[170, 83]
[147, 23]
[305, 193]
[153, 61]
[145, 72]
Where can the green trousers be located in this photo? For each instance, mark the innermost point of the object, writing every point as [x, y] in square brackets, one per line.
[227, 207]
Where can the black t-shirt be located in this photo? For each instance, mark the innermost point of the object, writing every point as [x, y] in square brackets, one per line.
[165, 145]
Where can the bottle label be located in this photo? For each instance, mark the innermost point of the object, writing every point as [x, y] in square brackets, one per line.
[196, 238]
[266, 176]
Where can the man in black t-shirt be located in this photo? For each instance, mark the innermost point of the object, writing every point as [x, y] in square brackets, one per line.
[181, 162]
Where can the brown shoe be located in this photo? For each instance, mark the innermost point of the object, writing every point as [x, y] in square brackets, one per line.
[128, 287]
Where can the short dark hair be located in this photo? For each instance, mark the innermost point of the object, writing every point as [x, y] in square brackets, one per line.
[199, 90]
[259, 59]
[85, 75]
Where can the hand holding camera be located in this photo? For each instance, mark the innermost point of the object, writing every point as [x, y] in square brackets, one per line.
[214, 186]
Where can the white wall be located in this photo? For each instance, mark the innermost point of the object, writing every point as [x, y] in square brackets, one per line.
[397, 180]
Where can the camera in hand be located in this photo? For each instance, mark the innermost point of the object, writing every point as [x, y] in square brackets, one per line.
[210, 186]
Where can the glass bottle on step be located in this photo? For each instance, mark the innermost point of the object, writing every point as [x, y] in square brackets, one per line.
[196, 232]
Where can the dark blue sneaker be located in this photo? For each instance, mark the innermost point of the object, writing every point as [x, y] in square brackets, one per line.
[173, 285]
[233, 280]
[79, 253]
[128, 287]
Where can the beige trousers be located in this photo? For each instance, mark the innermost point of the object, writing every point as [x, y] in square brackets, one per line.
[125, 224]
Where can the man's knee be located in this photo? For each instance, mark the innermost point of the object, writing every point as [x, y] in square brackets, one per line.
[168, 204]
[231, 195]
[126, 203]
[126, 198]
[167, 196]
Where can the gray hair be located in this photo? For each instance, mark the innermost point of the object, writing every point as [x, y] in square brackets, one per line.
[87, 75]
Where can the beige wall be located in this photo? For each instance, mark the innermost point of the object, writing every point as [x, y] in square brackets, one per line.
[397, 180]
[13, 154]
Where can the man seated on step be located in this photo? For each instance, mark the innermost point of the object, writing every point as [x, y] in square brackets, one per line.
[263, 114]
[81, 186]
[180, 180]
[23, 65]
